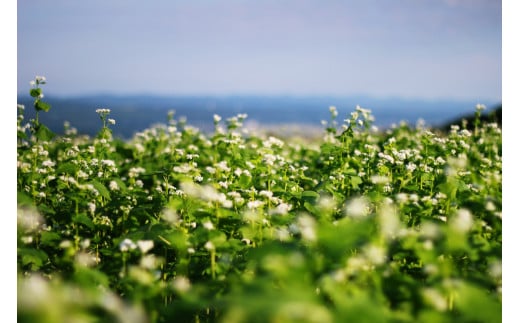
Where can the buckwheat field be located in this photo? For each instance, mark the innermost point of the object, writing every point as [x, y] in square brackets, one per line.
[178, 225]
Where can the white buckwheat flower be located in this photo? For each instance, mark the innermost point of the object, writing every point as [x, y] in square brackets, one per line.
[208, 225]
[333, 111]
[48, 163]
[435, 298]
[411, 167]
[463, 221]
[209, 245]
[108, 163]
[378, 179]
[306, 226]
[145, 245]
[357, 207]
[255, 204]
[126, 245]
[40, 79]
[113, 186]
[102, 111]
[281, 209]
[181, 284]
[91, 207]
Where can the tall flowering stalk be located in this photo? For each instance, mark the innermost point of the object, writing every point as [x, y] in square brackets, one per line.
[105, 132]
[39, 130]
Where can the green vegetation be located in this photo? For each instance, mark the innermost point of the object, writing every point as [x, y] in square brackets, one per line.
[174, 225]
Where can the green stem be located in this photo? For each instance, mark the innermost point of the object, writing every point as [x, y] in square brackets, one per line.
[450, 300]
[124, 264]
[213, 265]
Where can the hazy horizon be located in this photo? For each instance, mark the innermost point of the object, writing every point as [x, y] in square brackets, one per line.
[135, 113]
[144, 95]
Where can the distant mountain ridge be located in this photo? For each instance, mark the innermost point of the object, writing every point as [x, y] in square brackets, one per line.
[139, 112]
[468, 121]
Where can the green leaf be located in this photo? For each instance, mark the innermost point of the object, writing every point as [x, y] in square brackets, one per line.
[339, 239]
[45, 209]
[44, 133]
[431, 316]
[364, 308]
[23, 199]
[355, 181]
[35, 92]
[176, 240]
[311, 208]
[88, 277]
[33, 257]
[310, 194]
[49, 237]
[328, 149]
[349, 171]
[22, 135]
[426, 177]
[103, 191]
[450, 188]
[477, 304]
[82, 218]
[244, 180]
[121, 184]
[42, 106]
[218, 238]
[67, 168]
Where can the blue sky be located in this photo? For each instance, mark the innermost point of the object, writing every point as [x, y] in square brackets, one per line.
[400, 48]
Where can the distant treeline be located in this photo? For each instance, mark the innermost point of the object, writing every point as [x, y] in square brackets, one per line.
[492, 115]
